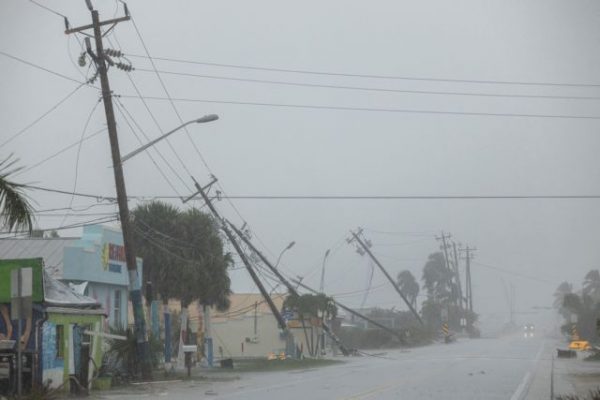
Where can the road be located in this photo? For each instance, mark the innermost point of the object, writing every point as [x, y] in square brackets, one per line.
[505, 368]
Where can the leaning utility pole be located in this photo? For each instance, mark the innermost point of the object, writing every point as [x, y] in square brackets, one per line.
[365, 248]
[238, 249]
[101, 59]
[287, 284]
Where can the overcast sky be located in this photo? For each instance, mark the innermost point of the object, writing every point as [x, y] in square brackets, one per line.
[268, 150]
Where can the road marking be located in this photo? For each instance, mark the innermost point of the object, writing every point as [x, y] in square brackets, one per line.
[524, 385]
[521, 388]
[371, 392]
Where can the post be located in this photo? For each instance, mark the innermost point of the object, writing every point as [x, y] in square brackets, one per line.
[19, 333]
[134, 284]
[387, 275]
[457, 274]
[287, 284]
[238, 249]
[208, 343]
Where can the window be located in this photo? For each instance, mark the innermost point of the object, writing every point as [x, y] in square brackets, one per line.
[60, 341]
[117, 308]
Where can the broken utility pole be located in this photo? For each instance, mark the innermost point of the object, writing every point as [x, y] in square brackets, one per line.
[290, 287]
[365, 249]
[238, 249]
[101, 59]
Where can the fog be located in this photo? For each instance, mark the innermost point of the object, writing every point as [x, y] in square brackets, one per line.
[532, 244]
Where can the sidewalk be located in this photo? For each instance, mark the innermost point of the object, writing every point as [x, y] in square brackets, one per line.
[571, 375]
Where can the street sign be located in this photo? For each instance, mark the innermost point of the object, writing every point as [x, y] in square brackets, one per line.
[21, 289]
[463, 322]
[444, 314]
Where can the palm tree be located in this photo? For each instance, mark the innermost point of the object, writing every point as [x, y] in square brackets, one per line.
[409, 286]
[437, 278]
[591, 284]
[559, 295]
[15, 210]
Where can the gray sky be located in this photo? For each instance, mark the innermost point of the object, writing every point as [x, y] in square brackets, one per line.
[298, 151]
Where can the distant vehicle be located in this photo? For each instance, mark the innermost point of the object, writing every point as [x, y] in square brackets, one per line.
[529, 331]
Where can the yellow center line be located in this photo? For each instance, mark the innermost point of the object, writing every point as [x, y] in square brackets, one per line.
[371, 392]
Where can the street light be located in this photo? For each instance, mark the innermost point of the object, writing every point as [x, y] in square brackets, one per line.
[322, 286]
[206, 118]
[289, 246]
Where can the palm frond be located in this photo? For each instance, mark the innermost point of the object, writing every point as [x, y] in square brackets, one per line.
[15, 210]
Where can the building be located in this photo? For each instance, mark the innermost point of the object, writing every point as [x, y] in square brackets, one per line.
[94, 265]
[248, 328]
[61, 331]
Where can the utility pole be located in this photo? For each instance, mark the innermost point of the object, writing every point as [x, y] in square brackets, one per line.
[287, 284]
[238, 249]
[101, 59]
[444, 247]
[468, 251]
[365, 250]
[457, 275]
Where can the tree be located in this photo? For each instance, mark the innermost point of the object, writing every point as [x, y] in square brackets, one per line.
[209, 262]
[591, 284]
[562, 290]
[158, 241]
[183, 256]
[409, 286]
[437, 279]
[317, 306]
[15, 210]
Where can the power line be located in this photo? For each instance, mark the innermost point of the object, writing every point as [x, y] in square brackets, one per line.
[372, 89]
[372, 76]
[79, 142]
[160, 171]
[168, 95]
[369, 109]
[513, 273]
[153, 118]
[95, 221]
[334, 197]
[197, 150]
[87, 122]
[48, 9]
[45, 114]
[42, 68]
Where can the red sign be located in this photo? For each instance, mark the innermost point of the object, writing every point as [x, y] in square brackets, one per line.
[116, 252]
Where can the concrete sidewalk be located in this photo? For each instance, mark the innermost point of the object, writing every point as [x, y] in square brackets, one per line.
[569, 376]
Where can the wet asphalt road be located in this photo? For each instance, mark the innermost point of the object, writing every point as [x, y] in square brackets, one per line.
[500, 368]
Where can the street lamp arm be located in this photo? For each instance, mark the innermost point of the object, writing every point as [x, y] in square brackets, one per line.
[206, 118]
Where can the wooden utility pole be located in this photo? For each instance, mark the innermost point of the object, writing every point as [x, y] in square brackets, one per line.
[238, 249]
[366, 249]
[287, 284]
[468, 251]
[457, 276]
[100, 59]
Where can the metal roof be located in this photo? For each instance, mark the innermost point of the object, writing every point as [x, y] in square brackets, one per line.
[58, 294]
[50, 249]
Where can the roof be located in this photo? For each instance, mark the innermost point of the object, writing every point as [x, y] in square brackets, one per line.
[58, 294]
[50, 249]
